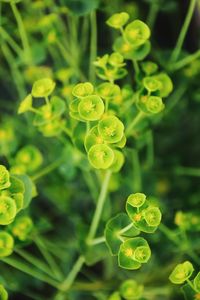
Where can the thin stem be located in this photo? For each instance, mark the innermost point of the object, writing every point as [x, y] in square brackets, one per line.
[93, 46]
[22, 30]
[97, 241]
[136, 67]
[99, 207]
[34, 261]
[48, 257]
[150, 149]
[136, 171]
[123, 230]
[10, 41]
[183, 31]
[187, 171]
[153, 12]
[72, 275]
[17, 264]
[47, 170]
[67, 131]
[135, 121]
[191, 285]
[185, 61]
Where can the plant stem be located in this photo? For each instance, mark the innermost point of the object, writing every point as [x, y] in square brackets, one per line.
[188, 171]
[136, 67]
[136, 171]
[123, 230]
[47, 170]
[150, 149]
[10, 41]
[97, 241]
[93, 46]
[185, 61]
[137, 118]
[34, 261]
[17, 264]
[153, 12]
[183, 31]
[66, 284]
[99, 207]
[22, 30]
[48, 257]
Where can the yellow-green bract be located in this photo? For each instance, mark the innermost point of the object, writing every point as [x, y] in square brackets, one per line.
[6, 244]
[181, 273]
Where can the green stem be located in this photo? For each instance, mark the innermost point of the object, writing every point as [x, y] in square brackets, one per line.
[48, 257]
[136, 67]
[99, 207]
[192, 286]
[136, 171]
[22, 30]
[17, 264]
[93, 46]
[150, 149]
[153, 12]
[47, 170]
[10, 41]
[183, 31]
[123, 230]
[97, 241]
[185, 61]
[72, 275]
[135, 121]
[34, 261]
[188, 171]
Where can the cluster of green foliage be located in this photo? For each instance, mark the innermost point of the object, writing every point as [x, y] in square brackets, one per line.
[75, 148]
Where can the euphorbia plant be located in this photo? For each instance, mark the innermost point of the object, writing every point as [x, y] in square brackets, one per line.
[91, 131]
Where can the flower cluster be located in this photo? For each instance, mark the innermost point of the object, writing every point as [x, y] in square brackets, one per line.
[121, 235]
[48, 116]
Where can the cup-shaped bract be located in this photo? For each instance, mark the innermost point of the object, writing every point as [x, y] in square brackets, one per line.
[118, 20]
[101, 156]
[111, 129]
[3, 293]
[181, 273]
[101, 62]
[129, 51]
[8, 210]
[136, 200]
[149, 67]
[152, 216]
[25, 105]
[126, 256]
[197, 282]
[6, 244]
[93, 138]
[151, 83]
[108, 90]
[121, 144]
[91, 108]
[142, 254]
[30, 157]
[137, 33]
[154, 104]
[49, 112]
[131, 290]
[116, 60]
[51, 129]
[83, 89]
[166, 85]
[118, 161]
[22, 227]
[4, 178]
[43, 88]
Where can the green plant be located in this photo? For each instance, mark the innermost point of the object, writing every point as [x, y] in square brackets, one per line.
[83, 142]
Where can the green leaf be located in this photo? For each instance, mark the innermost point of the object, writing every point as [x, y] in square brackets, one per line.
[197, 282]
[3, 293]
[189, 293]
